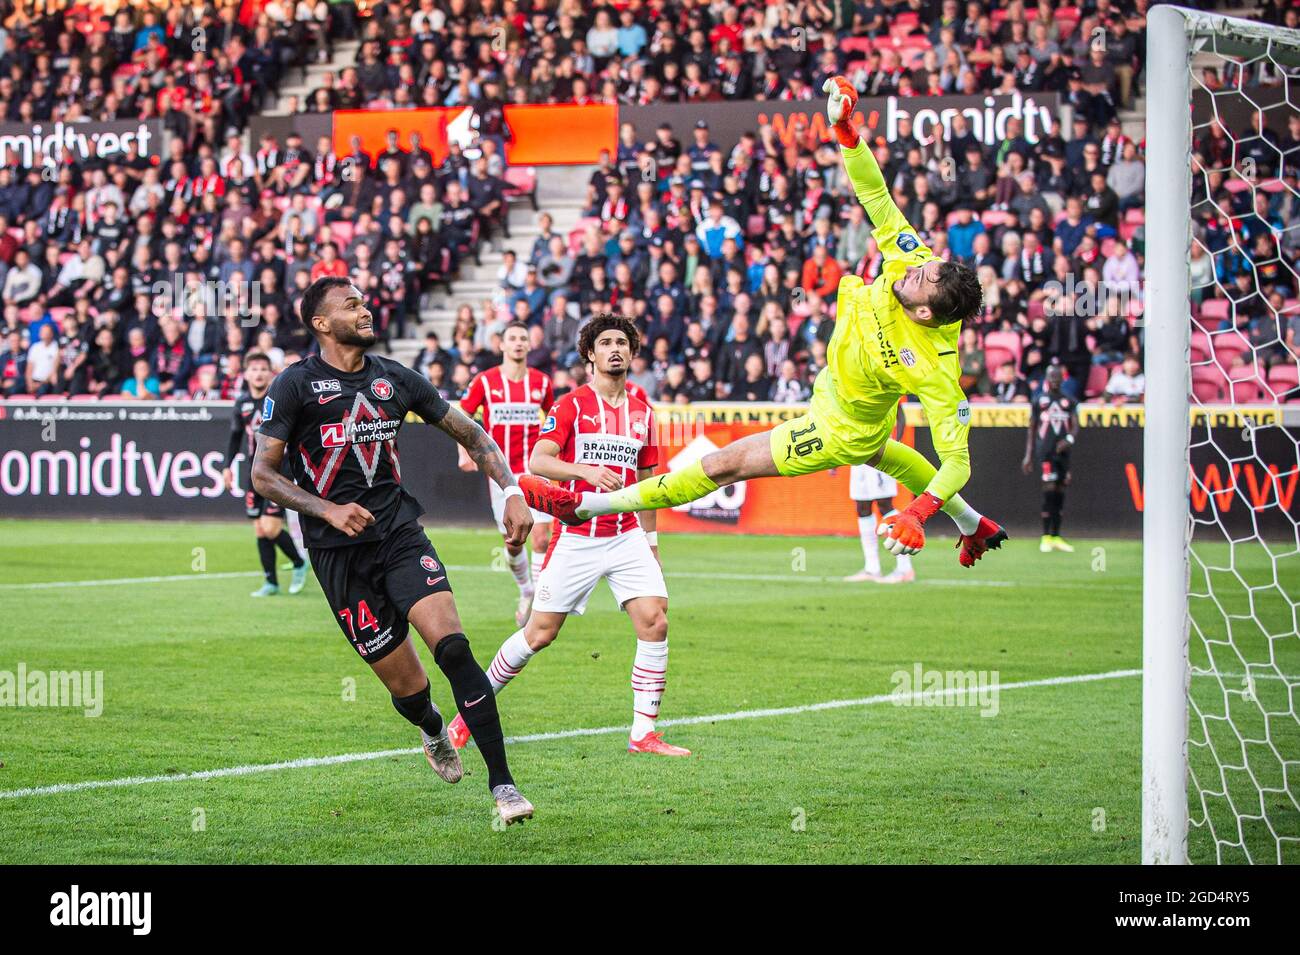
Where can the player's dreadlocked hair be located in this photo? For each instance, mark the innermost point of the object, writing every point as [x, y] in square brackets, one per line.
[603, 323]
[310, 306]
[958, 296]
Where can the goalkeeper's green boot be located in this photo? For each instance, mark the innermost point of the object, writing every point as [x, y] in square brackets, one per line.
[1045, 545]
[266, 590]
[1059, 544]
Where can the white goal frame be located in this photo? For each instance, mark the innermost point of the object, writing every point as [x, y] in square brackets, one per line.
[1173, 35]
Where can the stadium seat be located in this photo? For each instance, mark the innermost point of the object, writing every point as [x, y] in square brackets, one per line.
[342, 232]
[908, 17]
[1235, 185]
[1202, 350]
[523, 183]
[1206, 392]
[1246, 391]
[1007, 341]
[1250, 369]
[1272, 185]
[579, 232]
[23, 397]
[84, 398]
[1284, 377]
[996, 357]
[992, 218]
[1206, 374]
[1227, 345]
[857, 44]
[1098, 375]
[1214, 310]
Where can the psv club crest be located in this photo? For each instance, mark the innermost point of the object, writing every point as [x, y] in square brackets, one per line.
[381, 389]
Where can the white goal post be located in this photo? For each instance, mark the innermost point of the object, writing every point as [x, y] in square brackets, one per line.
[1220, 755]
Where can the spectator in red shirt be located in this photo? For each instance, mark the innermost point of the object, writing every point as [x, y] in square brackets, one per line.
[329, 264]
[821, 274]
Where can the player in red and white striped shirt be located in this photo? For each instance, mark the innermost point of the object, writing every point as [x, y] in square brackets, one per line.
[600, 438]
[513, 399]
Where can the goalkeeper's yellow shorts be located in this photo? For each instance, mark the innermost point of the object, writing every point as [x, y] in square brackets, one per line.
[826, 437]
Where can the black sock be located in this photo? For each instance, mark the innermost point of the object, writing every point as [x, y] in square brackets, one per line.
[418, 708]
[476, 702]
[1047, 512]
[266, 551]
[286, 544]
[1058, 505]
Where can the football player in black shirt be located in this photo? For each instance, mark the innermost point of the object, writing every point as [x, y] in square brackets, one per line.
[267, 516]
[1053, 423]
[337, 415]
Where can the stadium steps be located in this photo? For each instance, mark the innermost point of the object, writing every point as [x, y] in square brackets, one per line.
[344, 55]
[561, 191]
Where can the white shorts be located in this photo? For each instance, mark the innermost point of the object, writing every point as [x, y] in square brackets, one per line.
[576, 565]
[868, 484]
[499, 507]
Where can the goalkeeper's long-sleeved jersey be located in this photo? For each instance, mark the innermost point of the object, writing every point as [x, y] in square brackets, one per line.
[876, 346]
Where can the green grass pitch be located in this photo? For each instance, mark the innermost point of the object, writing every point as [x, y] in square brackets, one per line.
[198, 677]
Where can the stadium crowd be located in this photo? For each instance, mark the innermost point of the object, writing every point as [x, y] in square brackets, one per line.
[727, 255]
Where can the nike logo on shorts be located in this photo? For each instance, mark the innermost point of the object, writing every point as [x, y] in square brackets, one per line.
[432, 581]
[476, 702]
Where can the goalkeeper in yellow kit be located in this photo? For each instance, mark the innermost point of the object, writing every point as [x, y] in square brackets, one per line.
[894, 337]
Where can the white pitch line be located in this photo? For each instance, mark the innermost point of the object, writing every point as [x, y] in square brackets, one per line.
[477, 569]
[52, 584]
[314, 761]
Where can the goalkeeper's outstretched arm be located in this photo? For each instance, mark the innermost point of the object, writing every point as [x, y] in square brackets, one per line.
[864, 173]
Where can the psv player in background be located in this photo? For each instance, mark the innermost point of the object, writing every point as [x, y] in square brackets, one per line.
[338, 413]
[600, 438]
[267, 516]
[513, 399]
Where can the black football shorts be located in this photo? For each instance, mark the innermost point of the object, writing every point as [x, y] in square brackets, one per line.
[256, 506]
[371, 587]
[1054, 465]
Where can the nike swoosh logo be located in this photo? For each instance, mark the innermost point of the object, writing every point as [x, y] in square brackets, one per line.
[324, 399]
[476, 702]
[431, 581]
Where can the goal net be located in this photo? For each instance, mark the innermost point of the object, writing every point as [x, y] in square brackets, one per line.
[1221, 555]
